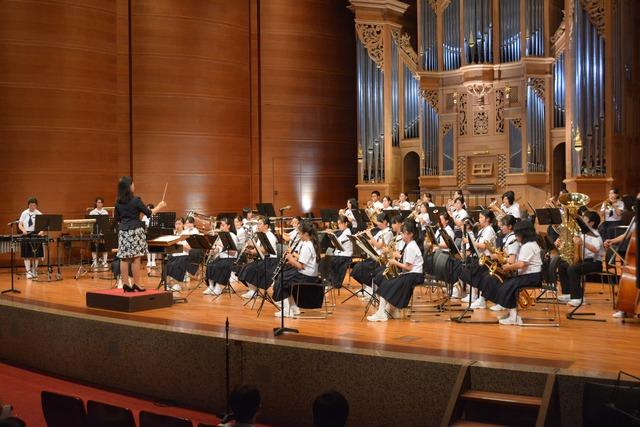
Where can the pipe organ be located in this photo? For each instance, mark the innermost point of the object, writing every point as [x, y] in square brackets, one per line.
[486, 92]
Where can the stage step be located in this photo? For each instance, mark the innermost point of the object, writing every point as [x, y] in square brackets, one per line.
[478, 399]
[501, 398]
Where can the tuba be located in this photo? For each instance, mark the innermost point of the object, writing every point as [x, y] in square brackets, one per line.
[572, 202]
[390, 271]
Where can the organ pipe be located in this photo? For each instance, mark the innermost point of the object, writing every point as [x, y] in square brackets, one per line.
[429, 37]
[534, 21]
[430, 141]
[559, 103]
[536, 140]
[370, 115]
[395, 110]
[451, 42]
[510, 30]
[411, 104]
[588, 113]
[478, 29]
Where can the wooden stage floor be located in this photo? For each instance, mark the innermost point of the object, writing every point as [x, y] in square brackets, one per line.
[577, 347]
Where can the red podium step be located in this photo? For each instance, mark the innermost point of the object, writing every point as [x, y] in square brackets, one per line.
[118, 300]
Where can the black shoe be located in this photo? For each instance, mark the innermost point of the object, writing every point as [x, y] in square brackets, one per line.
[127, 288]
[138, 288]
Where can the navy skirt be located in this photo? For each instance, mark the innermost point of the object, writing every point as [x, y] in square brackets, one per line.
[364, 271]
[258, 273]
[398, 291]
[339, 267]
[219, 271]
[507, 295]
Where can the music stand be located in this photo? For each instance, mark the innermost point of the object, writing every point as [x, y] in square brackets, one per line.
[203, 243]
[280, 330]
[102, 223]
[390, 213]
[47, 224]
[227, 245]
[266, 244]
[335, 242]
[360, 219]
[325, 215]
[548, 216]
[585, 229]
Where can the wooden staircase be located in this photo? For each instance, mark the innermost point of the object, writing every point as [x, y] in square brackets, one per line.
[469, 406]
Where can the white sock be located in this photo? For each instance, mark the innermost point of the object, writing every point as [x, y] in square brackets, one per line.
[382, 307]
[513, 313]
[94, 255]
[253, 288]
[218, 287]
[27, 264]
[105, 257]
[480, 299]
[35, 264]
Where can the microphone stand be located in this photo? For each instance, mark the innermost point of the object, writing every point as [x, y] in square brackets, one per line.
[227, 416]
[12, 290]
[281, 330]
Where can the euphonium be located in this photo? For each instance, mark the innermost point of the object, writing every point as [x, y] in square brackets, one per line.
[572, 202]
[524, 299]
[390, 271]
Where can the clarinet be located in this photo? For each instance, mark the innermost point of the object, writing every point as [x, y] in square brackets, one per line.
[284, 259]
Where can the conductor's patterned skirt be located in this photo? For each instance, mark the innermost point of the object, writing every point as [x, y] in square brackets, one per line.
[132, 243]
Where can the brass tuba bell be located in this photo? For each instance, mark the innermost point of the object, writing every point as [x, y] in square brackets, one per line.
[572, 202]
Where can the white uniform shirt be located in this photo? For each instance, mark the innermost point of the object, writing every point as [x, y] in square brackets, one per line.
[349, 214]
[513, 210]
[308, 259]
[99, 212]
[241, 237]
[185, 232]
[292, 235]
[404, 206]
[385, 235]
[378, 205]
[227, 254]
[530, 254]
[459, 216]
[593, 241]
[346, 243]
[423, 220]
[24, 219]
[610, 213]
[413, 256]
[487, 235]
[510, 244]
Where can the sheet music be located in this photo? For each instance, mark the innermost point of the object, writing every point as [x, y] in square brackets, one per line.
[166, 239]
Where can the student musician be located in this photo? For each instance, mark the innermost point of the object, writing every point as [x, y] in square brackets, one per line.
[241, 232]
[376, 203]
[352, 205]
[591, 249]
[340, 260]
[30, 252]
[364, 271]
[304, 269]
[486, 238]
[387, 203]
[528, 267]
[509, 205]
[292, 235]
[396, 293]
[151, 256]
[180, 265]
[132, 239]
[444, 227]
[219, 270]
[459, 215]
[397, 242]
[403, 203]
[451, 202]
[611, 211]
[258, 274]
[427, 199]
[422, 219]
[99, 249]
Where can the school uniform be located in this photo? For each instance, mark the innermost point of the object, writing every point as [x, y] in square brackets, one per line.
[404, 206]
[611, 220]
[529, 276]
[340, 260]
[219, 270]
[364, 271]
[513, 210]
[259, 273]
[398, 291]
[187, 261]
[591, 263]
[307, 274]
[28, 221]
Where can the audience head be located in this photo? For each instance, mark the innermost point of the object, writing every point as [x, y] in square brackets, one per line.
[245, 403]
[330, 409]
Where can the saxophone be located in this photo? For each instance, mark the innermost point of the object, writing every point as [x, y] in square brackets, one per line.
[390, 271]
[495, 266]
[572, 202]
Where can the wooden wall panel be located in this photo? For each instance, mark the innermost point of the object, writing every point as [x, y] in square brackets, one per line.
[57, 105]
[191, 114]
[308, 98]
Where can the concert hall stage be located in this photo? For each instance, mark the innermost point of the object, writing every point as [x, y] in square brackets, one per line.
[178, 353]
